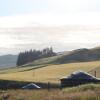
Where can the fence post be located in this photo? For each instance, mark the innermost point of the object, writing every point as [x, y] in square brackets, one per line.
[95, 73]
[48, 86]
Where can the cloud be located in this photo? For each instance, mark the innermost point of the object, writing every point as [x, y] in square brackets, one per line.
[49, 19]
[61, 38]
[70, 6]
[63, 24]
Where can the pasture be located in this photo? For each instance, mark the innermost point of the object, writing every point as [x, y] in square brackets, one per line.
[48, 73]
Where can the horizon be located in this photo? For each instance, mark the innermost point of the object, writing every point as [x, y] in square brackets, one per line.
[35, 24]
[48, 47]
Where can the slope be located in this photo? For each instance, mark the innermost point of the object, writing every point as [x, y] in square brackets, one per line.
[50, 73]
[81, 55]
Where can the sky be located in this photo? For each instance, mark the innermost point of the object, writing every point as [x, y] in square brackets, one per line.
[35, 24]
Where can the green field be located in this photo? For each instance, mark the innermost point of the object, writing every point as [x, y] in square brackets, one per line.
[48, 73]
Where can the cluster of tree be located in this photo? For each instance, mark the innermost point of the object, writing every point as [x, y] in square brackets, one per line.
[29, 56]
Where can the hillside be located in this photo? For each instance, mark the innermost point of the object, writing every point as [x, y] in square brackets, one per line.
[43, 61]
[80, 55]
[8, 61]
[48, 73]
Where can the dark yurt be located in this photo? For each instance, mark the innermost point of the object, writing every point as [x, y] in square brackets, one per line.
[78, 78]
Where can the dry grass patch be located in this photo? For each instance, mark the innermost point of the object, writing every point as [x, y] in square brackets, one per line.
[55, 94]
[50, 73]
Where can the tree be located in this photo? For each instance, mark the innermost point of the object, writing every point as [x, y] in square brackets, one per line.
[31, 55]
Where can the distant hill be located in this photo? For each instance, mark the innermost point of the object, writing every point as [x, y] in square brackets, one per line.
[80, 55]
[8, 61]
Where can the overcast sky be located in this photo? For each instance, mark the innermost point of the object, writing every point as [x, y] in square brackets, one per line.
[62, 24]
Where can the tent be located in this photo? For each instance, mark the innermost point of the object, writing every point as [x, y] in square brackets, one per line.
[31, 86]
[77, 78]
[80, 75]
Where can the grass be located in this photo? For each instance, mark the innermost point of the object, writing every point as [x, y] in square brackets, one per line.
[50, 73]
[97, 69]
[33, 65]
[84, 92]
[43, 61]
[83, 88]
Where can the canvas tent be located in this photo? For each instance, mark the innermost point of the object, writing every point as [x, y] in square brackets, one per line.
[77, 78]
[31, 86]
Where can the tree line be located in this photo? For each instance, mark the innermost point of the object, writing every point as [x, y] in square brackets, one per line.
[31, 55]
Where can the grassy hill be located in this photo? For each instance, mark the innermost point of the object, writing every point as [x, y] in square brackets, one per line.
[48, 73]
[78, 55]
[81, 55]
[43, 61]
[51, 69]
